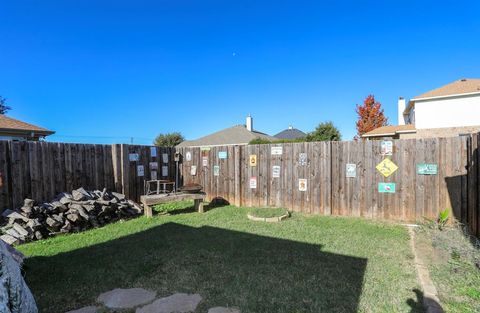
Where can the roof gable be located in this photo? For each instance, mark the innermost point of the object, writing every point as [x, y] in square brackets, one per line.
[391, 130]
[11, 124]
[290, 133]
[458, 87]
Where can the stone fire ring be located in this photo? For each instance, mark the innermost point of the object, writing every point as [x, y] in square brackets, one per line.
[275, 219]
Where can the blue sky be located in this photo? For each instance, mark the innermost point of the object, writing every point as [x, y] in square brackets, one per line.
[106, 71]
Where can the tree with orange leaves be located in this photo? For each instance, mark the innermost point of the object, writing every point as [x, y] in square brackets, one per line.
[370, 116]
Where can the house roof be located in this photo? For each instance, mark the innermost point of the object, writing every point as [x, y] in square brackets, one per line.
[390, 130]
[290, 133]
[458, 87]
[236, 135]
[13, 125]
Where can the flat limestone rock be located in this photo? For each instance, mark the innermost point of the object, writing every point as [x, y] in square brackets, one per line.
[220, 309]
[87, 309]
[126, 298]
[177, 303]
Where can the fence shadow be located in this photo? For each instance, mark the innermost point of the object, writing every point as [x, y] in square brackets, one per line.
[227, 268]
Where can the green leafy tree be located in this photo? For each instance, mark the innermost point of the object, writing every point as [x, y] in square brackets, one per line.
[4, 108]
[325, 131]
[169, 139]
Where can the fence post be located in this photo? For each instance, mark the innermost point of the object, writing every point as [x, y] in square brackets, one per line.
[238, 174]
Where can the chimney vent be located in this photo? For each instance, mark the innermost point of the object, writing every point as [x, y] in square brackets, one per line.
[249, 123]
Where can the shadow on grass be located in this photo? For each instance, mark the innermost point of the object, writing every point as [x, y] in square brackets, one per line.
[227, 268]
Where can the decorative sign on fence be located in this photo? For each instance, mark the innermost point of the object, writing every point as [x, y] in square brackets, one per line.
[253, 159]
[253, 182]
[222, 154]
[427, 169]
[153, 166]
[153, 175]
[165, 157]
[133, 157]
[351, 170]
[153, 152]
[140, 171]
[277, 150]
[386, 187]
[387, 147]
[188, 156]
[302, 159]
[164, 170]
[204, 148]
[216, 170]
[275, 171]
[205, 161]
[302, 184]
[193, 170]
[386, 167]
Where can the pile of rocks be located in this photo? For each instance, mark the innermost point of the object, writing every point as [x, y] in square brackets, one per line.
[68, 212]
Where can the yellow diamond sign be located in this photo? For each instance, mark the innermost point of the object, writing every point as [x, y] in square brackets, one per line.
[387, 167]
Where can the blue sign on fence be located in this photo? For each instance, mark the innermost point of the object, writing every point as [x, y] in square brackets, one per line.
[222, 154]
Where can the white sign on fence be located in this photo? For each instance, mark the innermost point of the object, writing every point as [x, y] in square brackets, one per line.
[275, 171]
[153, 166]
[140, 171]
[165, 157]
[133, 157]
[153, 175]
[351, 170]
[216, 170]
[253, 182]
[193, 170]
[302, 159]
[277, 150]
[205, 161]
[164, 170]
[188, 156]
[302, 184]
[153, 152]
[387, 147]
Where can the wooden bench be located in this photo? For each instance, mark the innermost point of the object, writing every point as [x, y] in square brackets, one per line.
[148, 200]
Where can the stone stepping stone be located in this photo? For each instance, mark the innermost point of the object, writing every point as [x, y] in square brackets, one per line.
[221, 309]
[178, 303]
[126, 298]
[87, 309]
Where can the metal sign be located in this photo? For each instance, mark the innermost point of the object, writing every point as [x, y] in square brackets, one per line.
[302, 159]
[133, 157]
[188, 156]
[140, 171]
[277, 150]
[153, 166]
[164, 170]
[253, 159]
[193, 170]
[427, 169]
[275, 171]
[165, 157]
[302, 184]
[153, 153]
[205, 161]
[153, 175]
[253, 182]
[386, 167]
[387, 147]
[222, 154]
[386, 187]
[204, 148]
[351, 170]
[216, 170]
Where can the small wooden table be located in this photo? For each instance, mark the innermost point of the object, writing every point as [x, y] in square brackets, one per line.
[148, 200]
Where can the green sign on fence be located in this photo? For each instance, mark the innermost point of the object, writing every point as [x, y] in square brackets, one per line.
[386, 187]
[427, 169]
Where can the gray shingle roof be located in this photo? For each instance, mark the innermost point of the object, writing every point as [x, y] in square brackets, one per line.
[290, 133]
[236, 135]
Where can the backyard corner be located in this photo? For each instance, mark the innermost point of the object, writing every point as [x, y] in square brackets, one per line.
[302, 264]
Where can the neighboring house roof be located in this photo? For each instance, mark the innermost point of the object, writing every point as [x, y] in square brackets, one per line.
[290, 133]
[236, 135]
[456, 88]
[391, 130]
[8, 124]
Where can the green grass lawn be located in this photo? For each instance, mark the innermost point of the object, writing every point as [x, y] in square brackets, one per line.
[303, 264]
[451, 258]
[267, 212]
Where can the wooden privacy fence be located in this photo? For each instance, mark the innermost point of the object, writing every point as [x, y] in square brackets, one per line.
[40, 170]
[274, 180]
